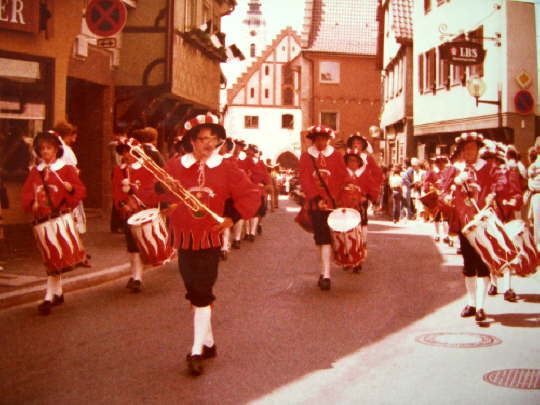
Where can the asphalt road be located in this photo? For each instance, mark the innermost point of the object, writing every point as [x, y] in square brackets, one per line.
[279, 338]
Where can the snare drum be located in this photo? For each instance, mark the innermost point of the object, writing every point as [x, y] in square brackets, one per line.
[525, 263]
[152, 237]
[347, 242]
[59, 243]
[488, 236]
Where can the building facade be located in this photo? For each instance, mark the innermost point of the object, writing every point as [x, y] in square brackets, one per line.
[443, 106]
[340, 83]
[395, 60]
[263, 106]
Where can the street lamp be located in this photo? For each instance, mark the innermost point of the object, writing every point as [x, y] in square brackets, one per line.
[477, 87]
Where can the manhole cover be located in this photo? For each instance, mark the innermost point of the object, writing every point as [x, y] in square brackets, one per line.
[460, 340]
[520, 378]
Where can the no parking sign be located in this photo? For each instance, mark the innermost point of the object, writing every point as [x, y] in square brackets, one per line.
[105, 17]
[524, 102]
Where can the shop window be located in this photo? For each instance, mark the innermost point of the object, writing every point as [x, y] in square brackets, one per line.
[287, 121]
[330, 119]
[251, 121]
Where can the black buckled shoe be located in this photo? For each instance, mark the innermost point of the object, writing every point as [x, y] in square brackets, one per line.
[235, 244]
[45, 307]
[208, 352]
[194, 363]
[492, 290]
[480, 315]
[324, 283]
[58, 300]
[357, 269]
[259, 230]
[510, 295]
[134, 285]
[468, 311]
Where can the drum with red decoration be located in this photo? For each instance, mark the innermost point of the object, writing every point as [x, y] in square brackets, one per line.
[347, 242]
[58, 241]
[525, 263]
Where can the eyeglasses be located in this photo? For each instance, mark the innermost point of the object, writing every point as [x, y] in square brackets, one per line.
[207, 139]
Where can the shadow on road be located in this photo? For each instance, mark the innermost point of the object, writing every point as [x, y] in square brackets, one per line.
[516, 320]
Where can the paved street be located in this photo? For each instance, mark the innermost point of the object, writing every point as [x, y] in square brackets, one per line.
[279, 338]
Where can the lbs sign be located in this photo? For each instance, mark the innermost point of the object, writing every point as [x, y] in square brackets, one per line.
[462, 53]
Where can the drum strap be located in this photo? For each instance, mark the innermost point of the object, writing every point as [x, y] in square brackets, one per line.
[54, 210]
[323, 183]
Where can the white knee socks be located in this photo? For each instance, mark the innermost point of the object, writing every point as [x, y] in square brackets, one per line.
[226, 240]
[202, 327]
[364, 233]
[507, 280]
[253, 225]
[326, 255]
[470, 285]
[54, 287]
[482, 284]
[237, 230]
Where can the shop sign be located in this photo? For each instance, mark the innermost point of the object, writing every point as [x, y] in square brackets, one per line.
[19, 15]
[462, 53]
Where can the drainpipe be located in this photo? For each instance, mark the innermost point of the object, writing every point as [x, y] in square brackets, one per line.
[312, 112]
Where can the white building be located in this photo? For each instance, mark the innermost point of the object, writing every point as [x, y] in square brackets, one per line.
[263, 106]
[443, 106]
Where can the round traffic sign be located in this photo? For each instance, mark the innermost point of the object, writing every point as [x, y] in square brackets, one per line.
[524, 102]
[105, 17]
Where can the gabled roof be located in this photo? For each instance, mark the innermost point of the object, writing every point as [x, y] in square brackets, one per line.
[402, 25]
[256, 65]
[340, 26]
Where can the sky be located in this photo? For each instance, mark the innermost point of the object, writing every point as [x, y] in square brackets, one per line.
[278, 14]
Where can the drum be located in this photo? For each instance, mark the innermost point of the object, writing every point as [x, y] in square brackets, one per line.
[525, 263]
[487, 235]
[152, 237]
[347, 242]
[59, 243]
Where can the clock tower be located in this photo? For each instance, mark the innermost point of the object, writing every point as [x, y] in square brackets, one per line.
[254, 27]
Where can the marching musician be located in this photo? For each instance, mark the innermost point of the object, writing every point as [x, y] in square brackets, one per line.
[52, 187]
[226, 150]
[322, 176]
[198, 236]
[534, 188]
[133, 191]
[433, 184]
[238, 155]
[258, 174]
[474, 182]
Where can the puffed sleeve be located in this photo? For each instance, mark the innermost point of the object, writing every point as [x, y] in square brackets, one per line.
[246, 195]
[78, 193]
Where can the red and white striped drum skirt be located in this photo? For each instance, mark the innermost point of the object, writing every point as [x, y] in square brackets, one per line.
[347, 242]
[525, 263]
[487, 234]
[151, 236]
[58, 241]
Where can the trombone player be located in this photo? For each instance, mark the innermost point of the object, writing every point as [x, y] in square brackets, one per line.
[198, 228]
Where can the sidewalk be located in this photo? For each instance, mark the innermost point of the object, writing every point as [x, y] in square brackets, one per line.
[23, 277]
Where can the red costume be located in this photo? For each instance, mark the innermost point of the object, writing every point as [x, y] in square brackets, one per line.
[53, 176]
[212, 183]
[133, 184]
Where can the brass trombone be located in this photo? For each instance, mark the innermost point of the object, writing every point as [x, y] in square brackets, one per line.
[174, 186]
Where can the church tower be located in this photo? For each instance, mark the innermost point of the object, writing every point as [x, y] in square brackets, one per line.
[254, 26]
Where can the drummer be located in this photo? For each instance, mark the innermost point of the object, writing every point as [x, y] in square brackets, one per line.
[133, 191]
[211, 178]
[322, 176]
[475, 183]
[432, 184]
[52, 186]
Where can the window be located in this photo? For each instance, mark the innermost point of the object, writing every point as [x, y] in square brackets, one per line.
[421, 84]
[252, 50]
[427, 6]
[431, 69]
[267, 70]
[330, 119]
[252, 92]
[444, 73]
[287, 121]
[329, 72]
[478, 37]
[251, 121]
[266, 93]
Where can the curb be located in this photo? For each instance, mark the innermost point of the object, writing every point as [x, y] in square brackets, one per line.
[35, 293]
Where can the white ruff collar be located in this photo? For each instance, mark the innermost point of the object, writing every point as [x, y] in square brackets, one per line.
[189, 160]
[358, 172]
[57, 165]
[313, 151]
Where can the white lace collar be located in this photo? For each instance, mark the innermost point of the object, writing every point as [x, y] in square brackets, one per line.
[189, 160]
[313, 151]
[57, 165]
